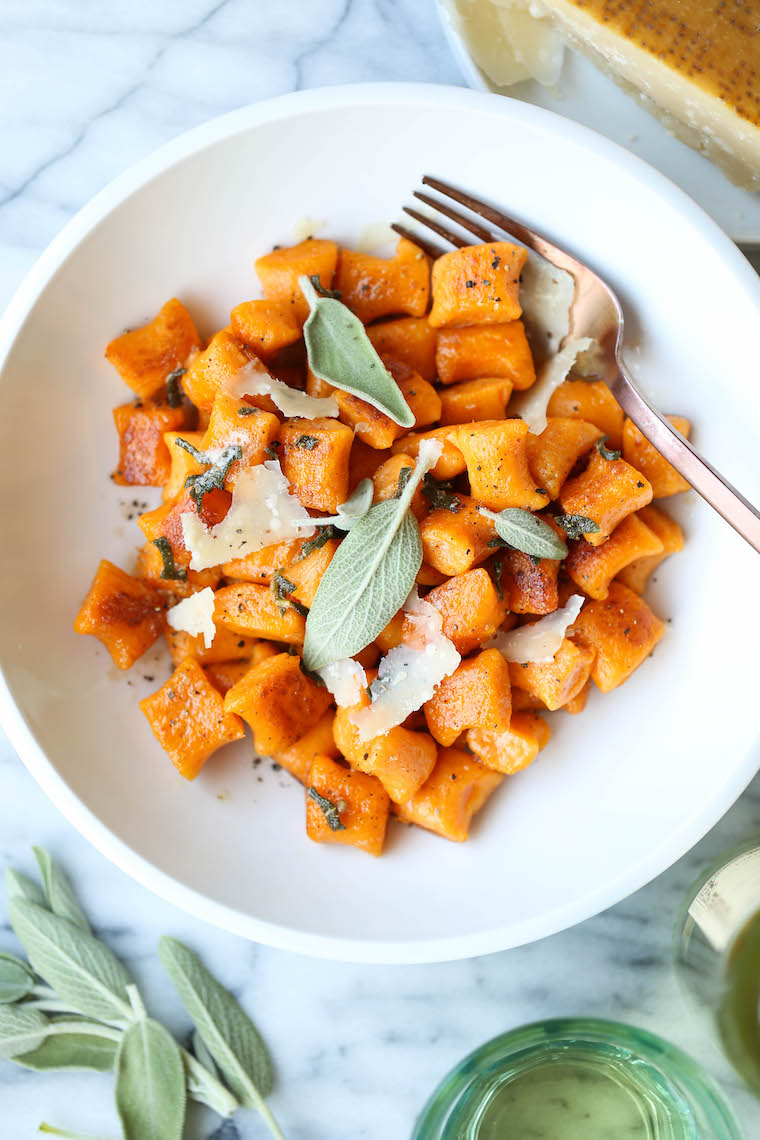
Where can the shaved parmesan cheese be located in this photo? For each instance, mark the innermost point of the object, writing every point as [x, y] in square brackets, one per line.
[539, 641]
[509, 39]
[429, 451]
[345, 679]
[262, 512]
[254, 380]
[195, 615]
[546, 294]
[307, 227]
[409, 674]
[531, 406]
[377, 239]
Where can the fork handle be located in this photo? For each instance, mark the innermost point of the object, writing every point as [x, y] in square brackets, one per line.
[706, 481]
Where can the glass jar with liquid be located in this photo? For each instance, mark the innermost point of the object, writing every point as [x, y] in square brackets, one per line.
[577, 1079]
[718, 953]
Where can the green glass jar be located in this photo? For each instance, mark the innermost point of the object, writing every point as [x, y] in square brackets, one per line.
[717, 953]
[577, 1079]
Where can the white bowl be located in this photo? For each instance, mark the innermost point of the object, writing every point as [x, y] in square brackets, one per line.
[624, 789]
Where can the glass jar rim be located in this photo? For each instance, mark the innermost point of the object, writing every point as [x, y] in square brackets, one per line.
[694, 1085]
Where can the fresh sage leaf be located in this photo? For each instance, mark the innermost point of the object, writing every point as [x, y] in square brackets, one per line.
[341, 353]
[16, 979]
[202, 1054]
[524, 531]
[329, 810]
[575, 526]
[60, 896]
[227, 1031]
[150, 1083]
[84, 972]
[370, 577]
[356, 505]
[80, 1050]
[18, 886]
[21, 1030]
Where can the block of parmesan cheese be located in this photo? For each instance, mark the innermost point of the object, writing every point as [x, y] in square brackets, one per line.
[695, 64]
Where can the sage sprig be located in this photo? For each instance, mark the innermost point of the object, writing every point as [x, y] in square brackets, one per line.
[227, 1032]
[371, 575]
[525, 531]
[90, 1015]
[340, 352]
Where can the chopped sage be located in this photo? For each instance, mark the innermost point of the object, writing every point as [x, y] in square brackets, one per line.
[403, 479]
[329, 810]
[440, 495]
[218, 464]
[320, 288]
[280, 587]
[497, 569]
[575, 526]
[173, 390]
[607, 452]
[247, 411]
[317, 542]
[525, 531]
[299, 607]
[171, 569]
[271, 449]
[340, 352]
[309, 442]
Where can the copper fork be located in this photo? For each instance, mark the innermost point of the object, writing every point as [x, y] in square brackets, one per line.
[595, 313]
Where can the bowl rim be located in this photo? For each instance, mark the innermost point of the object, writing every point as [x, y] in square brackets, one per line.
[369, 951]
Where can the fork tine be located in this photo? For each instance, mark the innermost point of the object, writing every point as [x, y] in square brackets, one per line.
[466, 223]
[430, 248]
[535, 241]
[436, 227]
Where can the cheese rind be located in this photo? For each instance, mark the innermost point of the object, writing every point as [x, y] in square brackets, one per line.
[695, 64]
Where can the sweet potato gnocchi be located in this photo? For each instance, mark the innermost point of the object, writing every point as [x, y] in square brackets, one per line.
[360, 552]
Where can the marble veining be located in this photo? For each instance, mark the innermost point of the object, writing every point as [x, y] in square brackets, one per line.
[85, 90]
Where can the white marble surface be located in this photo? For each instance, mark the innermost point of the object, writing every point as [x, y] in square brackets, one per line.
[85, 89]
